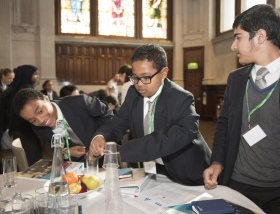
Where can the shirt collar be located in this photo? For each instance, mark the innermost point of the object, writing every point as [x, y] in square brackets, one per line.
[272, 67]
[152, 98]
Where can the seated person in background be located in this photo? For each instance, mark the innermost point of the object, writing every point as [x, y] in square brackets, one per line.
[112, 102]
[7, 77]
[100, 94]
[68, 90]
[169, 138]
[48, 90]
[125, 72]
[75, 117]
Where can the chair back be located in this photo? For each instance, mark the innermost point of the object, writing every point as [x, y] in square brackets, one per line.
[20, 155]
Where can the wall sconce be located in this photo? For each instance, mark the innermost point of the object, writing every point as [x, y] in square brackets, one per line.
[192, 65]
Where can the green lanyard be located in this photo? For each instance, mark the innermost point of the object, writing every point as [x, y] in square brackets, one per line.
[260, 104]
[151, 122]
[66, 139]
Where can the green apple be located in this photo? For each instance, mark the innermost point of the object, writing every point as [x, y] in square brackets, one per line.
[91, 182]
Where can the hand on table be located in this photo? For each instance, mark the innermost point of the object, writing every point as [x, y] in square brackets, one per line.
[97, 146]
[210, 176]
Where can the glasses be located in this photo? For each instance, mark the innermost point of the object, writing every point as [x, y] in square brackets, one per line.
[145, 79]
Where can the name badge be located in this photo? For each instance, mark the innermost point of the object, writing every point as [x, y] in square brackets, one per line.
[254, 135]
[150, 167]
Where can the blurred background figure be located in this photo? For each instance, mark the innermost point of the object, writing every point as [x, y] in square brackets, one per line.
[68, 90]
[112, 102]
[112, 87]
[7, 77]
[48, 90]
[26, 76]
[125, 71]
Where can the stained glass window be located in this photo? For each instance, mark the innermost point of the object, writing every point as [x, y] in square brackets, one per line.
[116, 18]
[75, 16]
[154, 19]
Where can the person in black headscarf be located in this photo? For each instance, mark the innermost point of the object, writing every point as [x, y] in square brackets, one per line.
[26, 76]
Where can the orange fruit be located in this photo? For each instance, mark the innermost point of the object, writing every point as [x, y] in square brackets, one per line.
[70, 177]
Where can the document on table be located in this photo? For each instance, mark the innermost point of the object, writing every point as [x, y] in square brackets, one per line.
[152, 200]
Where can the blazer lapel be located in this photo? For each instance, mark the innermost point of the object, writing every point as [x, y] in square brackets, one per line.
[137, 119]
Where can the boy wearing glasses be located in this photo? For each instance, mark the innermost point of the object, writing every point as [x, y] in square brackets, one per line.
[162, 120]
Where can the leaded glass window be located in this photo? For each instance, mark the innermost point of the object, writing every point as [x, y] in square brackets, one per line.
[116, 18]
[154, 14]
[75, 16]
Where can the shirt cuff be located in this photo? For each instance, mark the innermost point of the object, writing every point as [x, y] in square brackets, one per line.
[217, 163]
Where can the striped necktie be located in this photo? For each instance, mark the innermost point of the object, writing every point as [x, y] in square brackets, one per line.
[260, 78]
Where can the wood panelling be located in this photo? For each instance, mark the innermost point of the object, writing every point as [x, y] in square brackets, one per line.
[214, 95]
[93, 65]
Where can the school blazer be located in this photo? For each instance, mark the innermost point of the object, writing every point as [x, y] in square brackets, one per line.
[176, 138]
[228, 129]
[84, 114]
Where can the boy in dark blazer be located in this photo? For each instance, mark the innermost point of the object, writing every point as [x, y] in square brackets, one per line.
[246, 143]
[76, 116]
[171, 137]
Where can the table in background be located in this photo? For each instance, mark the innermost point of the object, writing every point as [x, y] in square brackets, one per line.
[95, 200]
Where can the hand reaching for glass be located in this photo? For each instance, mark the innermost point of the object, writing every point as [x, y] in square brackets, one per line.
[97, 146]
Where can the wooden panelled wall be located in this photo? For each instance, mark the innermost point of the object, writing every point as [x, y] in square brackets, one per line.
[214, 96]
[94, 65]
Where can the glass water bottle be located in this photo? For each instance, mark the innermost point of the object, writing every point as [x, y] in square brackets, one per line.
[58, 180]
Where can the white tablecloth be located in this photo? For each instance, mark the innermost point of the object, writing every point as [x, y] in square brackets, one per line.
[94, 202]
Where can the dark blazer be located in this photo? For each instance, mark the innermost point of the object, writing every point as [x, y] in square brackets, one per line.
[228, 129]
[84, 115]
[176, 138]
[54, 94]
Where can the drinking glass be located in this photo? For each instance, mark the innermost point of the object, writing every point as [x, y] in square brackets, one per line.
[111, 155]
[9, 171]
[67, 204]
[22, 203]
[44, 204]
[41, 190]
[91, 164]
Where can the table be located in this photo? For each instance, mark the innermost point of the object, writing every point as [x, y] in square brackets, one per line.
[95, 200]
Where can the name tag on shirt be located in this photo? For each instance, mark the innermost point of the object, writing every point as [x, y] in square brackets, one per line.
[254, 135]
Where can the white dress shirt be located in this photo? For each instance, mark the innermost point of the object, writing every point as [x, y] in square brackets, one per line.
[274, 72]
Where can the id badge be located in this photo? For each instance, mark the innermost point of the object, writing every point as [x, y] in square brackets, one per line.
[254, 135]
[150, 167]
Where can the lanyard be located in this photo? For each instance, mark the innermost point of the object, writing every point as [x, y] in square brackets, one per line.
[66, 139]
[260, 104]
[151, 122]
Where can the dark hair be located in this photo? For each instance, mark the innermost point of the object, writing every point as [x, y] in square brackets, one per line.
[110, 99]
[261, 16]
[23, 76]
[67, 90]
[5, 71]
[152, 53]
[23, 96]
[127, 70]
[45, 83]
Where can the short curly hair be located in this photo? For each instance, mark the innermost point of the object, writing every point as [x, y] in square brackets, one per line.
[22, 97]
[152, 53]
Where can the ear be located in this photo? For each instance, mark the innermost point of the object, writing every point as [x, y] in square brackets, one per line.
[46, 98]
[164, 72]
[261, 36]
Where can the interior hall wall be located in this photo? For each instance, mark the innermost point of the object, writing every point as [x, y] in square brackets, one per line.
[27, 37]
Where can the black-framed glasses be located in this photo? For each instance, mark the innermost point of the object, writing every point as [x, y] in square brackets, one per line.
[145, 79]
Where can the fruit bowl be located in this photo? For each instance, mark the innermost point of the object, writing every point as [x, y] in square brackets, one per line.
[82, 194]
